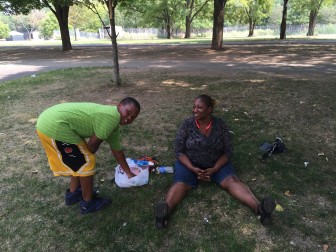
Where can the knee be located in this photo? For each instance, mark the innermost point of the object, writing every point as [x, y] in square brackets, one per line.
[228, 181]
[181, 187]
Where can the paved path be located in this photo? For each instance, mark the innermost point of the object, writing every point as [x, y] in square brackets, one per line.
[16, 62]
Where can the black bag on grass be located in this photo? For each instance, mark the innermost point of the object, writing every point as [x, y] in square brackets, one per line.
[277, 147]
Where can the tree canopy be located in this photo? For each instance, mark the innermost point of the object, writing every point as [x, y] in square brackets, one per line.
[252, 12]
[48, 25]
[173, 17]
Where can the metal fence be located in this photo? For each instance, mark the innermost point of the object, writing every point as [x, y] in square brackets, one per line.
[78, 34]
[230, 31]
[273, 30]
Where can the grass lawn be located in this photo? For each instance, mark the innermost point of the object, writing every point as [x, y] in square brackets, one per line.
[257, 107]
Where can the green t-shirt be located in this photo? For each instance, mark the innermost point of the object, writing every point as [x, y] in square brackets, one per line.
[73, 122]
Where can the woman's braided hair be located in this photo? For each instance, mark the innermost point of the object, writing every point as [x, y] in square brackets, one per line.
[208, 101]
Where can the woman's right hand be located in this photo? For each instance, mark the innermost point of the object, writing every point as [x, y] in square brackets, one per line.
[201, 174]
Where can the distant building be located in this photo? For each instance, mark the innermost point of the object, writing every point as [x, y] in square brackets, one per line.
[15, 36]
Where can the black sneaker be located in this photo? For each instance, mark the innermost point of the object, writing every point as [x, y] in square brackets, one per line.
[94, 205]
[161, 215]
[73, 197]
[265, 210]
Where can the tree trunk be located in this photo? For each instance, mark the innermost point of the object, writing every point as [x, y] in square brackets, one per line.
[116, 79]
[251, 27]
[29, 34]
[312, 22]
[188, 27]
[283, 21]
[62, 15]
[75, 33]
[189, 7]
[168, 27]
[313, 16]
[218, 25]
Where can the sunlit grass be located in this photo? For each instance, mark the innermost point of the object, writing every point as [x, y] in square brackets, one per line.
[257, 106]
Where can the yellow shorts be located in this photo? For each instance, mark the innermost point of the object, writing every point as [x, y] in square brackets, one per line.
[68, 159]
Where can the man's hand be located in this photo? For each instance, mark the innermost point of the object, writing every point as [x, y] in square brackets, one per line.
[120, 157]
[130, 175]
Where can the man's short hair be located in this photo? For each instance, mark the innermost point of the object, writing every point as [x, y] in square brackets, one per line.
[131, 100]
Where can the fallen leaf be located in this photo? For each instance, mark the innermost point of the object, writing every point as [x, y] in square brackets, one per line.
[287, 193]
[32, 120]
[279, 208]
[28, 142]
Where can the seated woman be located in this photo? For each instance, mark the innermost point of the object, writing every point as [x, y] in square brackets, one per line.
[203, 150]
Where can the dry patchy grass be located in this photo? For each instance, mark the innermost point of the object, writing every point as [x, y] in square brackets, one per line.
[257, 105]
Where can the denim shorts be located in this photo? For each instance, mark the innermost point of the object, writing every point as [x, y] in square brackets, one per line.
[184, 175]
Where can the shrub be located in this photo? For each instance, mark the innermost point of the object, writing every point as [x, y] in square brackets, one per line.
[48, 26]
[4, 30]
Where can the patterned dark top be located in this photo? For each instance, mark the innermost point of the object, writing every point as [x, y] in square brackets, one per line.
[203, 151]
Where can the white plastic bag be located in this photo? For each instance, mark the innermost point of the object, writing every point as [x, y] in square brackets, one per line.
[141, 178]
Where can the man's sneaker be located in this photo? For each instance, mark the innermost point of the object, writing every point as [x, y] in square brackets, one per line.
[94, 205]
[265, 210]
[161, 214]
[73, 197]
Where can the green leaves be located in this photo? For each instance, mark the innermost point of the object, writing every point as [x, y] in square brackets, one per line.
[4, 30]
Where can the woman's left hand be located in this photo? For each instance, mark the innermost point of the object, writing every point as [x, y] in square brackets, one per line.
[209, 171]
[205, 175]
[202, 175]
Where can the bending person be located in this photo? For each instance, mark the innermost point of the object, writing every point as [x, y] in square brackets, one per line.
[71, 133]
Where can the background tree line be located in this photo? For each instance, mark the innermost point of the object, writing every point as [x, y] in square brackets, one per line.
[168, 15]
